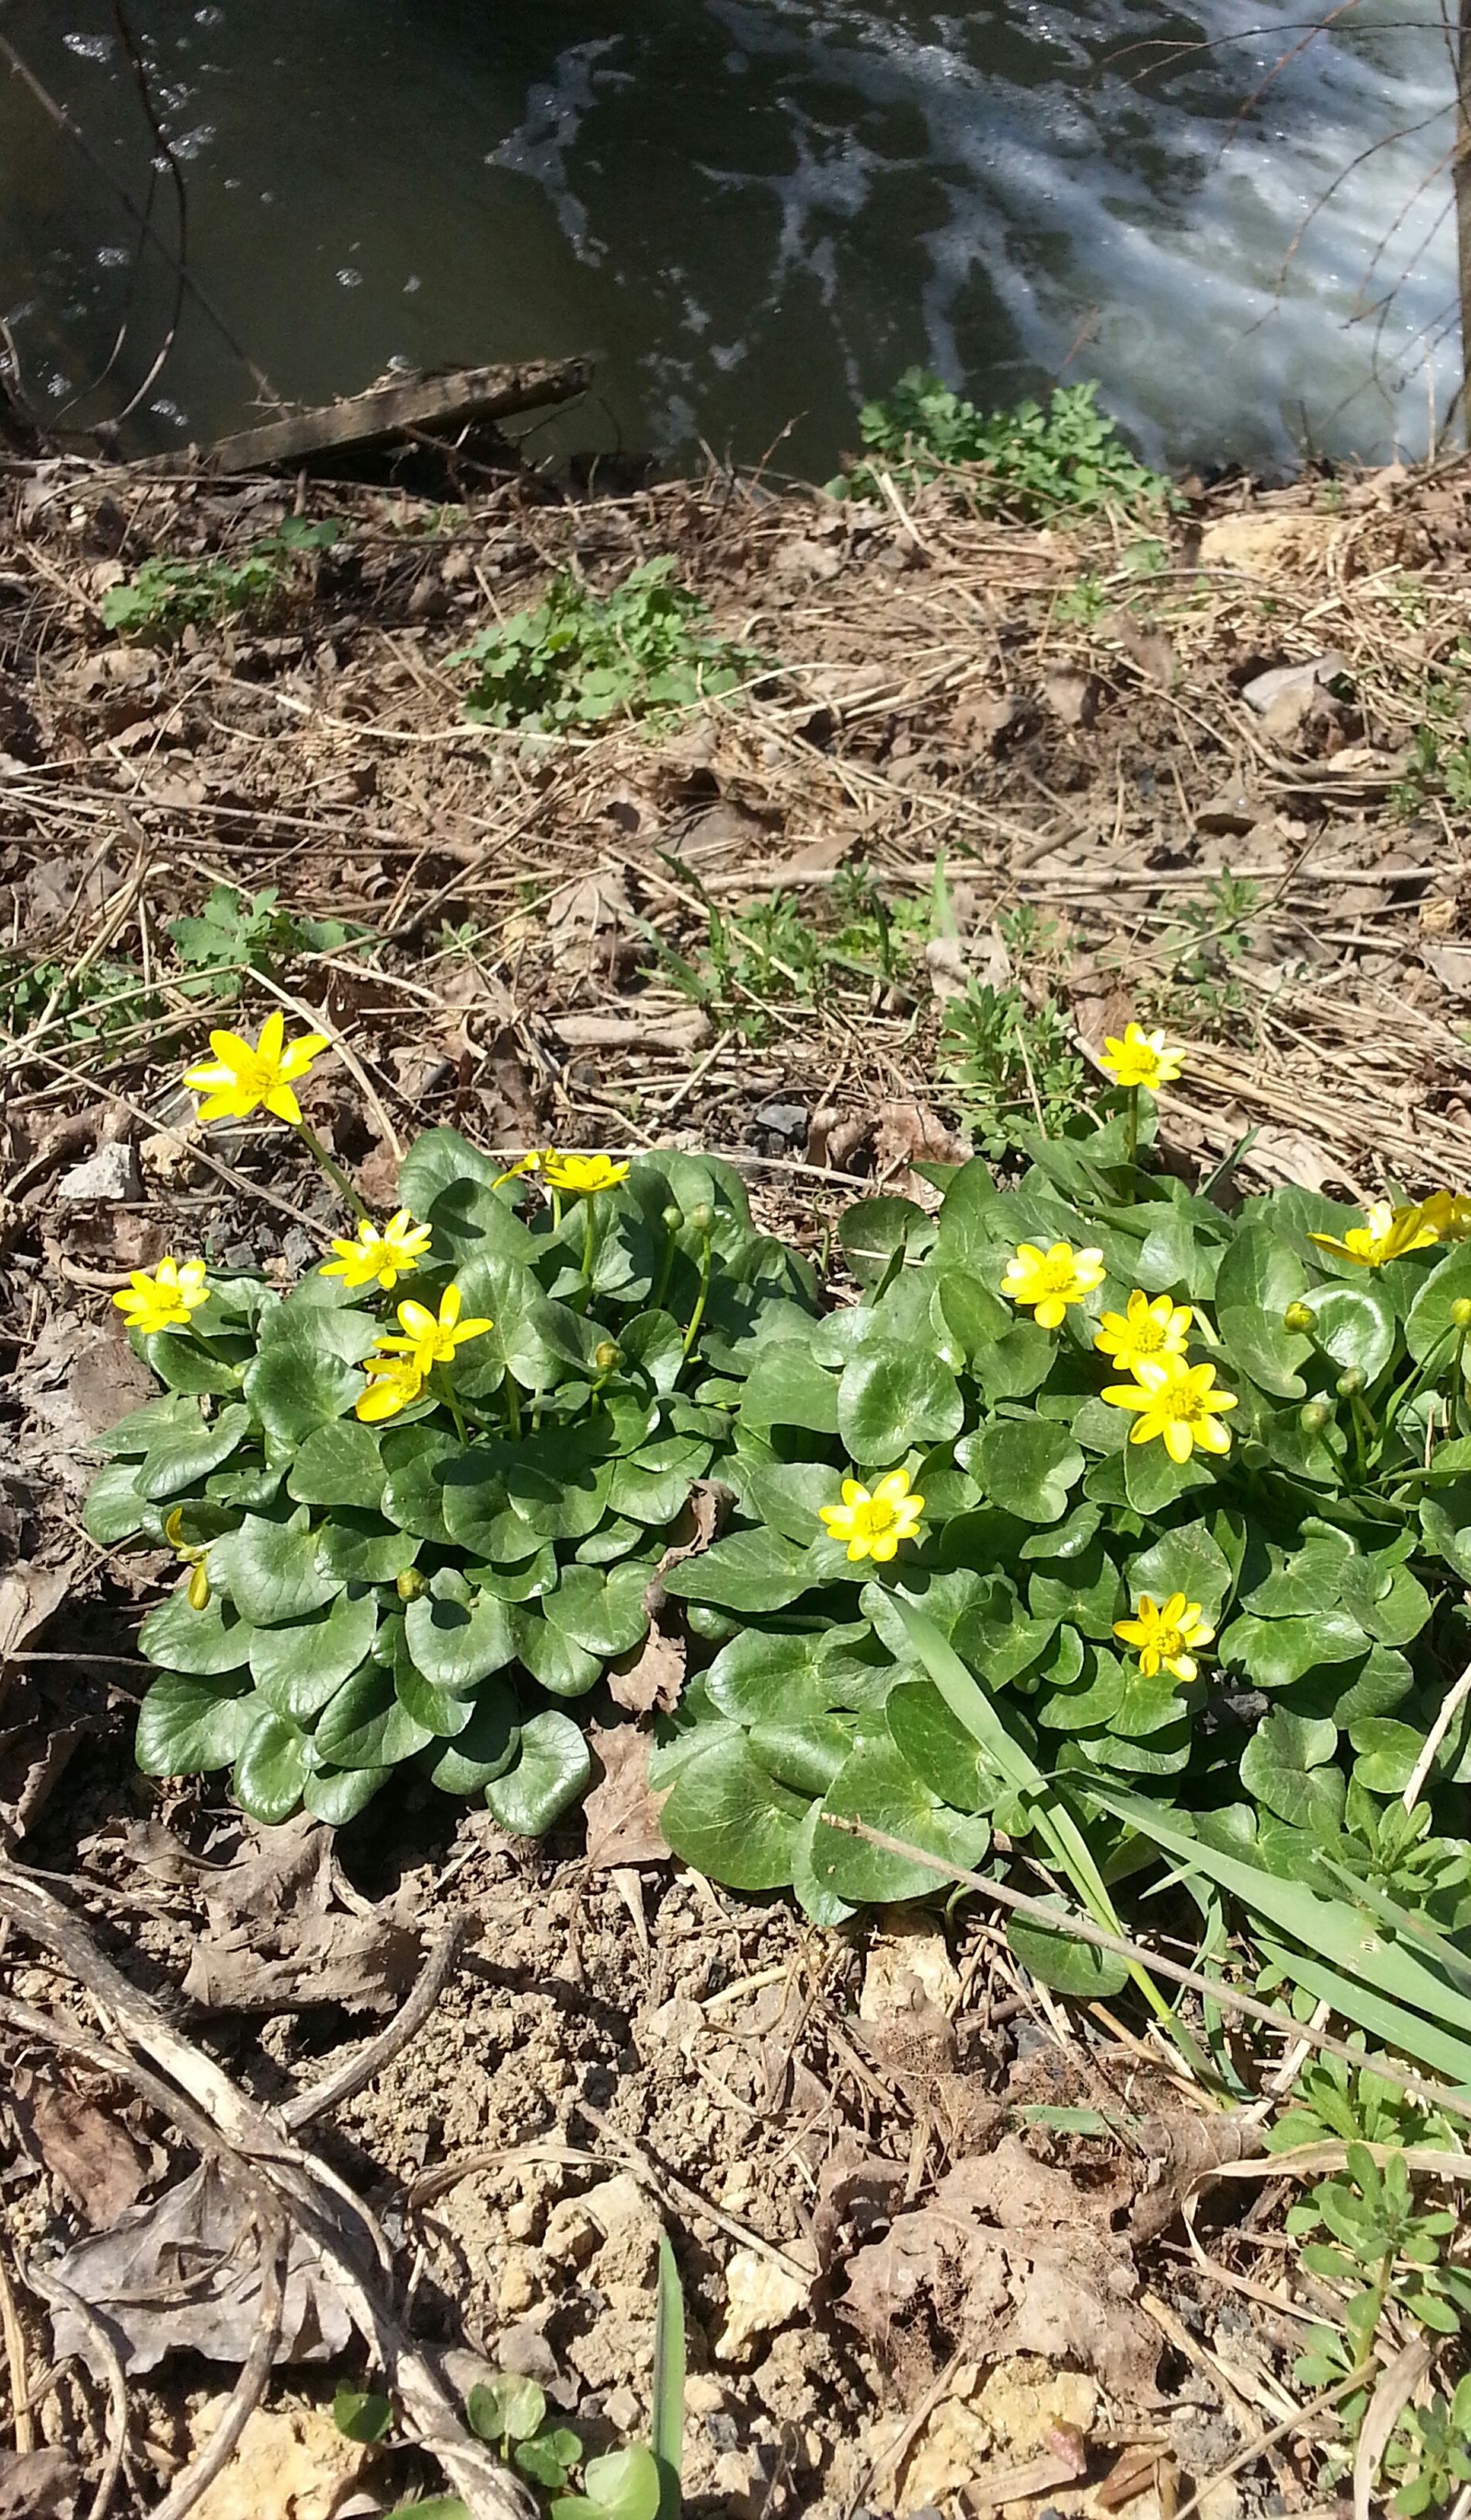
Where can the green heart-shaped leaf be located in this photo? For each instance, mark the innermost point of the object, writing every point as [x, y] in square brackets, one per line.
[188, 1725]
[272, 1570]
[891, 1398]
[339, 1464]
[1026, 1465]
[298, 1668]
[181, 1455]
[454, 1644]
[271, 1768]
[552, 1771]
[204, 1643]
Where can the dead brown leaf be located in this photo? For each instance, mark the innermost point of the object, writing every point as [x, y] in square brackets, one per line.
[182, 2275]
[29, 1595]
[585, 918]
[651, 1676]
[1005, 2258]
[278, 1940]
[85, 2146]
[622, 1814]
[907, 1134]
[1072, 698]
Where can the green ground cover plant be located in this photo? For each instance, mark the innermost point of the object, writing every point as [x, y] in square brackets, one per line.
[1038, 461]
[163, 598]
[578, 660]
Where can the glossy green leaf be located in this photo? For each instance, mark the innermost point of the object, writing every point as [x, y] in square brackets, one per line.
[455, 1644]
[552, 1770]
[336, 1795]
[752, 1571]
[1429, 1325]
[182, 1454]
[787, 1388]
[271, 1767]
[272, 1571]
[605, 1614]
[341, 1464]
[363, 1548]
[1355, 1325]
[1027, 1465]
[873, 1230]
[414, 1497]
[552, 1657]
[204, 1643]
[188, 1725]
[1058, 1960]
[296, 1386]
[186, 1364]
[878, 1787]
[484, 1749]
[892, 1398]
[114, 1510]
[365, 1725]
[298, 1668]
[728, 1817]
[1185, 1559]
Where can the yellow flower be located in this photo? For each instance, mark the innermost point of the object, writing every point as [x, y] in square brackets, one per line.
[874, 1521]
[1175, 1400]
[579, 1175]
[1448, 1215]
[1146, 1329]
[198, 1587]
[251, 1076]
[1142, 1058]
[431, 1342]
[380, 1258]
[1166, 1635]
[164, 1301]
[394, 1383]
[1050, 1280]
[1387, 1233]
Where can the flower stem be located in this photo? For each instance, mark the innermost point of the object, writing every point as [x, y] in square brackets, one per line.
[446, 1391]
[699, 1314]
[333, 1171]
[1133, 1128]
[512, 1407]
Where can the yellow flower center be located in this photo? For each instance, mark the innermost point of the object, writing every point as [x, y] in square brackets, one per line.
[877, 1514]
[1147, 1334]
[1169, 1643]
[1055, 1276]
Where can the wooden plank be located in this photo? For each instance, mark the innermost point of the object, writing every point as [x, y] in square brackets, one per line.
[386, 412]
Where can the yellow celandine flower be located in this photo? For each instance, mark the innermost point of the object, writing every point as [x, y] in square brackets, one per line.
[394, 1382]
[380, 1258]
[1175, 1401]
[164, 1301]
[1448, 1214]
[430, 1342]
[1387, 1234]
[255, 1076]
[1167, 1635]
[1145, 1330]
[1142, 1058]
[874, 1520]
[579, 1175]
[194, 1559]
[1048, 1282]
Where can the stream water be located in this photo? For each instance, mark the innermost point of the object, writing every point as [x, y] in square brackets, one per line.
[754, 212]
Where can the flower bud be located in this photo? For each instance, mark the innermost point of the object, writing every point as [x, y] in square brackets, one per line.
[1299, 1317]
[1461, 1311]
[1314, 1416]
[605, 1356]
[1349, 1381]
[702, 1218]
[410, 1584]
[671, 1219]
[198, 1587]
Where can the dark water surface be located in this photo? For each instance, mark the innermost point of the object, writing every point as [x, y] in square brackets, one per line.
[754, 212]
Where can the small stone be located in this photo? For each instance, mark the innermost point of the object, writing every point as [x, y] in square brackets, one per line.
[621, 2409]
[783, 1119]
[521, 2220]
[704, 2393]
[525, 2351]
[516, 2289]
[571, 2235]
[111, 1174]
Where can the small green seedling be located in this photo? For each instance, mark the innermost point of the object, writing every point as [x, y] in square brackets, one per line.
[164, 597]
[1067, 458]
[583, 660]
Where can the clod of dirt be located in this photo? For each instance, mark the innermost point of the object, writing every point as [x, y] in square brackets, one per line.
[290, 2463]
[760, 2296]
[37, 2485]
[909, 1970]
[1026, 2412]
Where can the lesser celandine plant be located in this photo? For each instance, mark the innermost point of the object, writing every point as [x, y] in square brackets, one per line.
[418, 1499]
[1101, 1511]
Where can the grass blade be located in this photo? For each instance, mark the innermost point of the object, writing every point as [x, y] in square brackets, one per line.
[667, 2418]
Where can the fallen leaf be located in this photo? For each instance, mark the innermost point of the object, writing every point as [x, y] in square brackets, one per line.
[1287, 1155]
[1297, 683]
[290, 2463]
[37, 2485]
[705, 1509]
[651, 1676]
[584, 919]
[29, 1595]
[907, 1134]
[622, 1814]
[857, 2193]
[1451, 966]
[1006, 2259]
[200, 2229]
[1072, 698]
[83, 2145]
[278, 1941]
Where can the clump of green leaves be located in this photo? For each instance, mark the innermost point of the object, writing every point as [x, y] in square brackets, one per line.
[163, 598]
[579, 660]
[231, 937]
[1010, 1065]
[1196, 957]
[1440, 767]
[753, 962]
[450, 1587]
[1034, 461]
[95, 1004]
